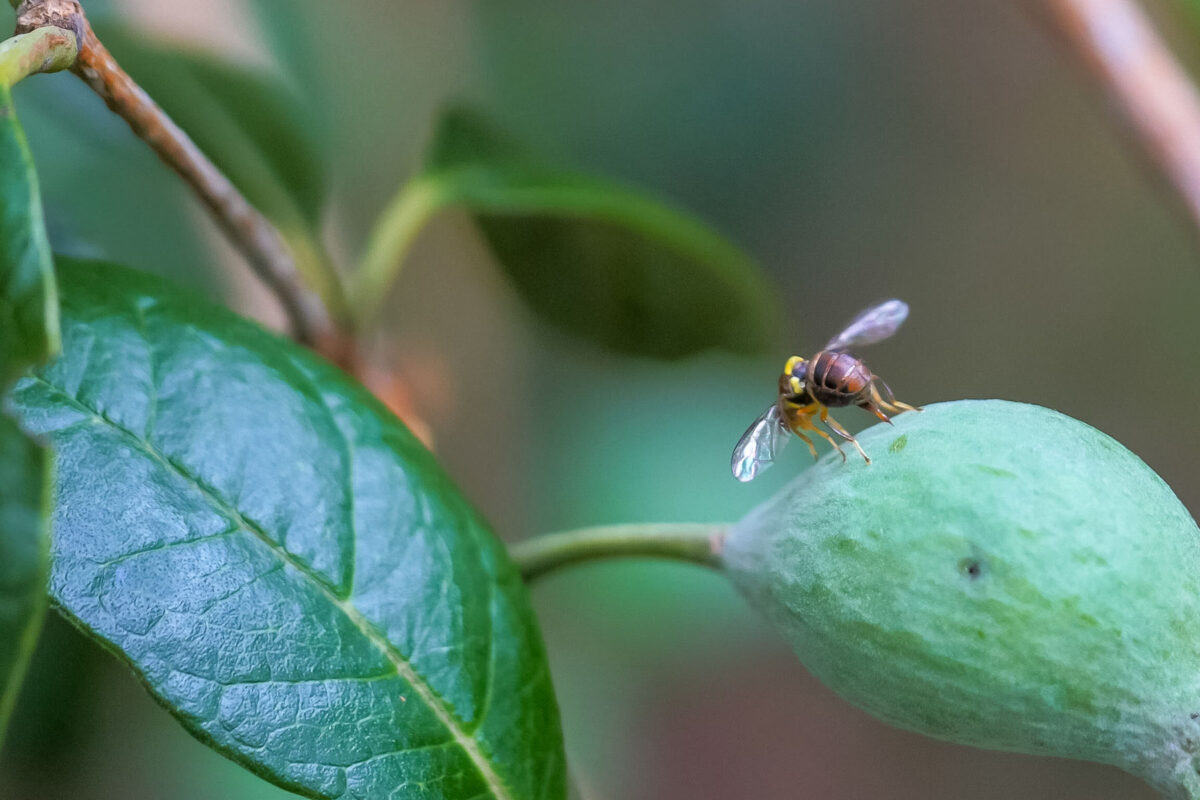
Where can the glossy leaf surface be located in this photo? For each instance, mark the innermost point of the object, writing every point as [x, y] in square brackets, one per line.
[598, 259]
[280, 560]
[28, 334]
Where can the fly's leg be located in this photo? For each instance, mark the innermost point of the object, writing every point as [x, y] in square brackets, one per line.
[795, 418]
[811, 447]
[837, 428]
[891, 397]
[799, 423]
[804, 422]
[873, 405]
[891, 403]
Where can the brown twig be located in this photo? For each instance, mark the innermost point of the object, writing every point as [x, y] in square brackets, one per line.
[1146, 83]
[249, 230]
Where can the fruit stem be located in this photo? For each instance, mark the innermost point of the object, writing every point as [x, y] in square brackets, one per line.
[398, 227]
[696, 543]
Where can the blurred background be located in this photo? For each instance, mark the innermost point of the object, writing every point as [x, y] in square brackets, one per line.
[948, 153]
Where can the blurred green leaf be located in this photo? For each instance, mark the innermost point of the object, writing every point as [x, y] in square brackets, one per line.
[464, 137]
[60, 699]
[281, 561]
[24, 562]
[28, 335]
[287, 26]
[28, 303]
[253, 127]
[598, 259]
[593, 257]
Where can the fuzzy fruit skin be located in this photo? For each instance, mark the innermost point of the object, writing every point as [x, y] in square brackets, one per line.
[1002, 576]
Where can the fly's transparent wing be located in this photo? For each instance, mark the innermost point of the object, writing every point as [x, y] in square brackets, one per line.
[873, 325]
[759, 445]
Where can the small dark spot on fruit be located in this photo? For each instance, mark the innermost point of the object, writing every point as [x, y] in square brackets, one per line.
[996, 471]
[899, 443]
[1196, 716]
[1189, 745]
[971, 567]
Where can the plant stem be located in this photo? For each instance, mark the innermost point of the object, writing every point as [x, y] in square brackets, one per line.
[694, 543]
[1147, 84]
[248, 230]
[393, 236]
[46, 49]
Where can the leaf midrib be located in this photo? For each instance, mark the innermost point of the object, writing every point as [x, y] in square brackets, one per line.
[401, 665]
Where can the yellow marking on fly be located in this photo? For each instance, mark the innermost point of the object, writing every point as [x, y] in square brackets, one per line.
[789, 369]
[797, 407]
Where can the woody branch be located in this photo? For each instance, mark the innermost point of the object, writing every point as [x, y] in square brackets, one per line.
[1147, 85]
[249, 231]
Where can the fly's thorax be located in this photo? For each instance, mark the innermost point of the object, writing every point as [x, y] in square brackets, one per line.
[794, 406]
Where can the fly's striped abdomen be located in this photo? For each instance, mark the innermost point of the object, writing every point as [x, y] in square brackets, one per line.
[838, 379]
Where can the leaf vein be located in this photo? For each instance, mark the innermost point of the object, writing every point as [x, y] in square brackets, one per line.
[152, 378]
[404, 751]
[397, 659]
[161, 546]
[347, 587]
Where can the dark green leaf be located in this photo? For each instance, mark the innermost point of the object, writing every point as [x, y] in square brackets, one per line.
[28, 305]
[280, 560]
[68, 682]
[288, 28]
[24, 483]
[598, 259]
[251, 125]
[465, 138]
[28, 335]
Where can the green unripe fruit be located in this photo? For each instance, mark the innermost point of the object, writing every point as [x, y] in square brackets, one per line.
[1002, 576]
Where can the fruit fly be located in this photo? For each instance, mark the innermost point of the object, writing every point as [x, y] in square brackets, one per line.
[808, 388]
